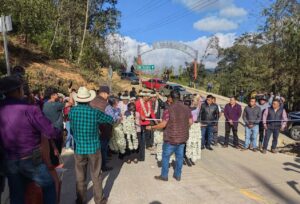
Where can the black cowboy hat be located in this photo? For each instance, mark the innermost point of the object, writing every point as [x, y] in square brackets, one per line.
[9, 84]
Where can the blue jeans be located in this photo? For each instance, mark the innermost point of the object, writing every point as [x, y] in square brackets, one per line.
[251, 136]
[275, 133]
[209, 131]
[19, 172]
[69, 140]
[168, 150]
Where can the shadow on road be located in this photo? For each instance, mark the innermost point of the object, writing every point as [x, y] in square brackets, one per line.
[221, 140]
[155, 202]
[293, 167]
[112, 175]
[289, 166]
[293, 184]
[268, 185]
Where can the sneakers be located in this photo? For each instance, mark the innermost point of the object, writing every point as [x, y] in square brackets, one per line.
[225, 146]
[264, 151]
[160, 178]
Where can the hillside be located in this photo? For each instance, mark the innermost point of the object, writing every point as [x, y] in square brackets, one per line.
[42, 71]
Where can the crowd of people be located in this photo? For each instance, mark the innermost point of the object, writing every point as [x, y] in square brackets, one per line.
[99, 124]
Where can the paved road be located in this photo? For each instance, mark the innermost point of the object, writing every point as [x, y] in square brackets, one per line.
[222, 176]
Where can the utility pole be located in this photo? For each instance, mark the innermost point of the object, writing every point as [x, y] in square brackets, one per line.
[6, 26]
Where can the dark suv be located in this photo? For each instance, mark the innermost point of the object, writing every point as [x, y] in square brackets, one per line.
[130, 76]
[294, 125]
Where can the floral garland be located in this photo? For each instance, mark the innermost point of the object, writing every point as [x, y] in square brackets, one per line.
[124, 133]
[129, 130]
[156, 106]
[147, 114]
[193, 145]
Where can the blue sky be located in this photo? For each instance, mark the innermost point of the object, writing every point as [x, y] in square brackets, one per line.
[154, 20]
[191, 22]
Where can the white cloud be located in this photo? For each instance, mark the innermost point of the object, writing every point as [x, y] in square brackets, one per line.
[215, 24]
[233, 12]
[168, 57]
[219, 11]
[205, 5]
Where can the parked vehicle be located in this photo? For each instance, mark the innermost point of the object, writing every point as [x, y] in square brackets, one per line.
[184, 95]
[154, 84]
[130, 77]
[294, 125]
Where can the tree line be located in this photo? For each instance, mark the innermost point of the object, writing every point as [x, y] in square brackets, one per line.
[70, 29]
[265, 61]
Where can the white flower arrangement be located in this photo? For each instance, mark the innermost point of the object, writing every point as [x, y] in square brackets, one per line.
[193, 145]
[129, 130]
[123, 133]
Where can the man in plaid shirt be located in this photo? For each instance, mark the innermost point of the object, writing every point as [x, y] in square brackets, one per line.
[85, 123]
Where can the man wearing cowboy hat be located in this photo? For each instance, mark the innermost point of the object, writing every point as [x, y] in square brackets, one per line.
[125, 98]
[157, 105]
[101, 103]
[22, 126]
[85, 122]
[263, 105]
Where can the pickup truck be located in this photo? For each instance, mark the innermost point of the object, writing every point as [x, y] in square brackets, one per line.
[153, 84]
[184, 94]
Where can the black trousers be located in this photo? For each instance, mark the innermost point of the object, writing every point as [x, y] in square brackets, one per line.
[216, 134]
[228, 128]
[261, 132]
[148, 136]
[141, 150]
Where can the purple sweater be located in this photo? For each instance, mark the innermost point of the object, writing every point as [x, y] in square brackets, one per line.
[21, 128]
[233, 113]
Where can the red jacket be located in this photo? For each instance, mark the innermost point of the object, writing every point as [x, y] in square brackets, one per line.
[142, 114]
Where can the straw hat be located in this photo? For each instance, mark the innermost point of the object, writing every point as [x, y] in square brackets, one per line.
[145, 93]
[84, 95]
[125, 97]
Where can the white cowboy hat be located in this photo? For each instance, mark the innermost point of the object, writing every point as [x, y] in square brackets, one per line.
[60, 95]
[84, 95]
[125, 97]
[133, 98]
[144, 93]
